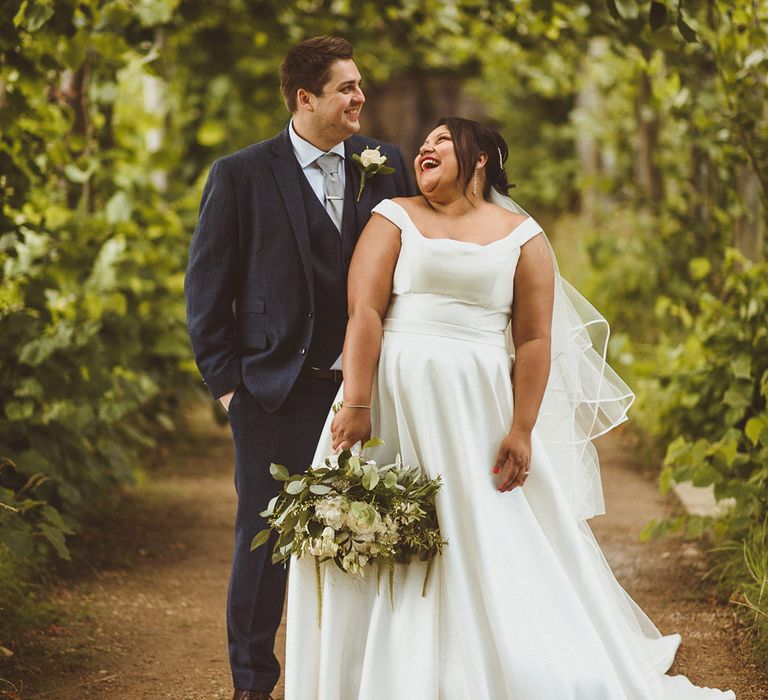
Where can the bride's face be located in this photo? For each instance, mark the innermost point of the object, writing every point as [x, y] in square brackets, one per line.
[436, 165]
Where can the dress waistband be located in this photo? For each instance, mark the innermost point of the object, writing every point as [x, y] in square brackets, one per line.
[445, 330]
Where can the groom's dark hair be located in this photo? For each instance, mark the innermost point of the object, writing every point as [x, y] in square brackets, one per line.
[308, 64]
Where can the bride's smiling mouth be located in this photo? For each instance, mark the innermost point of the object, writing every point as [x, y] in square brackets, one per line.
[428, 163]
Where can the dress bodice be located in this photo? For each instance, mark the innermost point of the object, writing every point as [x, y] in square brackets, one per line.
[461, 283]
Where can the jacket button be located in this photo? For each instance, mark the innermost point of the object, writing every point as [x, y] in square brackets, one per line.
[303, 351]
[310, 314]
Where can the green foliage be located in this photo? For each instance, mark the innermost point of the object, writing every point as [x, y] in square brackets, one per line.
[91, 259]
[714, 386]
[26, 521]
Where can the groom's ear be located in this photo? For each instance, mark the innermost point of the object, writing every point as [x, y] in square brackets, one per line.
[305, 100]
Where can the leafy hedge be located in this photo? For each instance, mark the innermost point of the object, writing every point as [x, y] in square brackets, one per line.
[92, 252]
[712, 394]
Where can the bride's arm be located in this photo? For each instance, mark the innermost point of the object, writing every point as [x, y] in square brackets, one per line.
[531, 332]
[369, 291]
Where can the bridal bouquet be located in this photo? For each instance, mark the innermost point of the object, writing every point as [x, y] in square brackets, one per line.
[355, 513]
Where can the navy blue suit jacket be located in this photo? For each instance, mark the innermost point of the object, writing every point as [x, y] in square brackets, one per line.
[249, 287]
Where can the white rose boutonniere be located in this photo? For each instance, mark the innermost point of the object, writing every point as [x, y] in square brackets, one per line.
[370, 162]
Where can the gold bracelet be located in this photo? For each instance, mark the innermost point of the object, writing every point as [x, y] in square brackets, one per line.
[352, 405]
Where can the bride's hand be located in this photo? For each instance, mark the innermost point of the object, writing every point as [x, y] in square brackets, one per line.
[350, 425]
[513, 461]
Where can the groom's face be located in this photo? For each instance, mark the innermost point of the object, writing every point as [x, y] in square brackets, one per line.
[337, 108]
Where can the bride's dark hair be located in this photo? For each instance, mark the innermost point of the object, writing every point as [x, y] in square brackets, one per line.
[470, 140]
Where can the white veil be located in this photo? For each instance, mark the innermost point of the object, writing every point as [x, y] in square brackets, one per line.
[584, 398]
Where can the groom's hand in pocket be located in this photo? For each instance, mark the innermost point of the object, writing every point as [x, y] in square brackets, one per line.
[513, 460]
[227, 399]
[349, 426]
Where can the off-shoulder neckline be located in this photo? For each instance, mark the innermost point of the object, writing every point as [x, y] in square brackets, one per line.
[456, 240]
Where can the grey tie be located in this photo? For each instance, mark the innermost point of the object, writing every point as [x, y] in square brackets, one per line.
[332, 189]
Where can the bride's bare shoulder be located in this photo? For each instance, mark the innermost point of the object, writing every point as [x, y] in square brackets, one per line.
[505, 217]
[410, 204]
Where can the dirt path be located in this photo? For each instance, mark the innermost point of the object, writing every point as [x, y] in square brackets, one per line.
[145, 616]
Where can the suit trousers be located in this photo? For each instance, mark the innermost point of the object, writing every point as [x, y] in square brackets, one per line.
[257, 587]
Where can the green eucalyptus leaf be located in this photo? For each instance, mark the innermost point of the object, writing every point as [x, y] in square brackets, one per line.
[370, 477]
[261, 538]
[295, 487]
[279, 472]
[270, 509]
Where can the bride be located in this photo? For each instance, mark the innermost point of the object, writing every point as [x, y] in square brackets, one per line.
[521, 604]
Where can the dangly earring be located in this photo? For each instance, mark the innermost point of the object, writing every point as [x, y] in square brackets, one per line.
[474, 183]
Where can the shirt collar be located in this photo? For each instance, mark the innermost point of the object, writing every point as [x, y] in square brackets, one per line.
[305, 152]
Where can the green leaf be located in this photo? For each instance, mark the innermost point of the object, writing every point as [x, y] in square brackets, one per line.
[756, 430]
[211, 133]
[295, 487]
[19, 410]
[628, 9]
[270, 509]
[261, 538]
[320, 489]
[741, 367]
[738, 396]
[75, 174]
[699, 268]
[56, 538]
[685, 29]
[373, 442]
[665, 480]
[279, 472]
[390, 479]
[370, 477]
[37, 15]
[705, 475]
[119, 208]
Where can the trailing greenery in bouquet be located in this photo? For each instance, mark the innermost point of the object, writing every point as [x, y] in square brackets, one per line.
[355, 513]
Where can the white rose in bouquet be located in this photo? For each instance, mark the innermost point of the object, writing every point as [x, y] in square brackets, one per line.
[332, 511]
[363, 519]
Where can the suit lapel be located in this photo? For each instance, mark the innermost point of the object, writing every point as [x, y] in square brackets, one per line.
[287, 174]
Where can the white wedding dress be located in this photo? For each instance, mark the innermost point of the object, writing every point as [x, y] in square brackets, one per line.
[521, 604]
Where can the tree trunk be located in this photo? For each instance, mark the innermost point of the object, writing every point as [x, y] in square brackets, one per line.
[588, 151]
[74, 90]
[749, 228]
[649, 176]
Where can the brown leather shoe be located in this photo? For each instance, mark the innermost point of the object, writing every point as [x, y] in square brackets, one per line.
[251, 695]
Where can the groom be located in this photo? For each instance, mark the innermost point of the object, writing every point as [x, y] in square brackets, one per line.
[267, 309]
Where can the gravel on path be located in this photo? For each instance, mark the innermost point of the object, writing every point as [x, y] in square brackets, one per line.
[144, 613]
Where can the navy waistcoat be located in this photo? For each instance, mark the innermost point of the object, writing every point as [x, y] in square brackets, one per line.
[329, 270]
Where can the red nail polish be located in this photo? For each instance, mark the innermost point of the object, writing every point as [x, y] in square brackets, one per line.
[496, 470]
